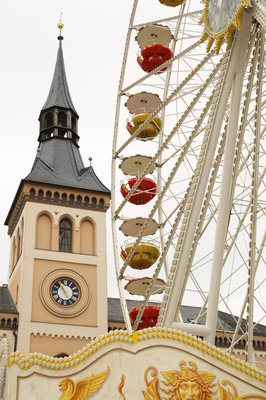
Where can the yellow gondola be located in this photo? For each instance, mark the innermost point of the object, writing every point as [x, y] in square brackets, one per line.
[172, 3]
[146, 254]
[151, 130]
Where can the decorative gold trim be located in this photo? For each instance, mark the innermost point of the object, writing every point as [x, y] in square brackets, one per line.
[25, 362]
[187, 382]
[83, 388]
[226, 35]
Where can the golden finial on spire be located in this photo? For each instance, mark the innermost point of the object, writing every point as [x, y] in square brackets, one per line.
[60, 26]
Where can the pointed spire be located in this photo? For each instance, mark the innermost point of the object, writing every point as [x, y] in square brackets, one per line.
[59, 94]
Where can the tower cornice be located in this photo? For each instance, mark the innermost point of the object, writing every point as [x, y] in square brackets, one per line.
[58, 195]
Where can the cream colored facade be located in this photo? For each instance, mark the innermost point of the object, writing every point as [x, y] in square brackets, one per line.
[36, 261]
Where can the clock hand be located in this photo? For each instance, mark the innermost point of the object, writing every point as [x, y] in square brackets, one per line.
[63, 287]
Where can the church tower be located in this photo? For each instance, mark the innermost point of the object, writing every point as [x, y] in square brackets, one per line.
[56, 223]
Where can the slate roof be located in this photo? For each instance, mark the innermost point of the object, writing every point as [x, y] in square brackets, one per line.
[7, 305]
[58, 162]
[226, 322]
[59, 94]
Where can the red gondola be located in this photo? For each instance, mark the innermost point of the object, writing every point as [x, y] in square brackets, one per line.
[145, 191]
[153, 56]
[149, 317]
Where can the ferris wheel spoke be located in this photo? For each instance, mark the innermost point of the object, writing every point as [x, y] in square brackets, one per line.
[258, 259]
[165, 64]
[225, 206]
[182, 269]
[244, 263]
[199, 228]
[235, 337]
[169, 19]
[160, 263]
[253, 215]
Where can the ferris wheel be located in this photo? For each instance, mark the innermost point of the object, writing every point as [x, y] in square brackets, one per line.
[189, 163]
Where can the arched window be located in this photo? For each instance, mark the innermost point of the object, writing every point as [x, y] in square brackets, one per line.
[101, 203]
[64, 198]
[40, 195]
[79, 200]
[62, 119]
[32, 194]
[56, 197]
[86, 201]
[21, 236]
[65, 235]
[48, 196]
[18, 244]
[48, 120]
[94, 202]
[13, 254]
[73, 123]
[71, 199]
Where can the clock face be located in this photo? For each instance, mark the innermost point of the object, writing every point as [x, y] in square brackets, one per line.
[220, 14]
[65, 292]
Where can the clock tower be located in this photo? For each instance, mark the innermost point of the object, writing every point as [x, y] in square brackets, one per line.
[56, 223]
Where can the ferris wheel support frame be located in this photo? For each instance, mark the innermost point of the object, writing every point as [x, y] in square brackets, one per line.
[254, 195]
[169, 310]
[225, 202]
[259, 12]
[159, 168]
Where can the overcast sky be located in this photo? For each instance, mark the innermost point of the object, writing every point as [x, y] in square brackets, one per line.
[94, 37]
